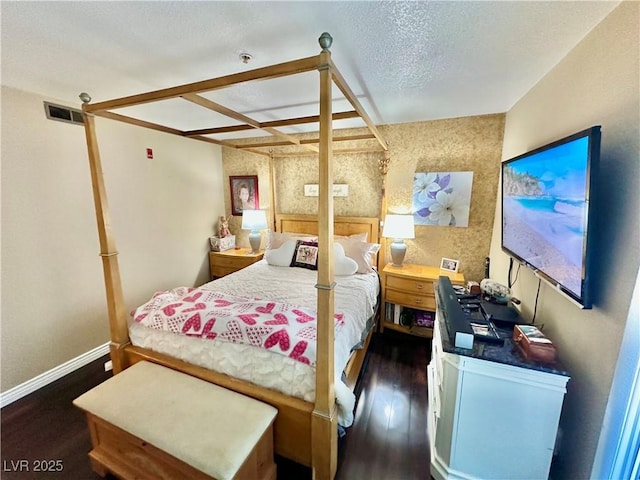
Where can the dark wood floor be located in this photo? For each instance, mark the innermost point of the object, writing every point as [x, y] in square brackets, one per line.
[387, 441]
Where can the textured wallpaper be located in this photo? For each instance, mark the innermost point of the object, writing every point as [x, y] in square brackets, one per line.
[451, 145]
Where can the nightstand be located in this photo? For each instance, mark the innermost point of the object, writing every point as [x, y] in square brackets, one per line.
[229, 261]
[411, 286]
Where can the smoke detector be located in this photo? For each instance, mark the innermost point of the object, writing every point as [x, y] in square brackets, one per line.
[245, 57]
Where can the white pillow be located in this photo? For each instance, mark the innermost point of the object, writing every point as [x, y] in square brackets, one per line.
[343, 265]
[276, 239]
[363, 237]
[361, 252]
[281, 257]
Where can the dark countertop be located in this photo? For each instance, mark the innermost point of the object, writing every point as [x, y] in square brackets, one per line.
[507, 353]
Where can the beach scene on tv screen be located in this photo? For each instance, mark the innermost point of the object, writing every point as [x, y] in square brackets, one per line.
[544, 210]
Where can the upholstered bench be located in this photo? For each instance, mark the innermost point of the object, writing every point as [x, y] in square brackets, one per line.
[151, 422]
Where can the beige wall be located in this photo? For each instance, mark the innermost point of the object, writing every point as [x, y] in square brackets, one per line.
[460, 144]
[596, 84]
[454, 145]
[163, 211]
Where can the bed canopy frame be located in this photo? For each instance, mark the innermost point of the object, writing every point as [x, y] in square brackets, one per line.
[317, 421]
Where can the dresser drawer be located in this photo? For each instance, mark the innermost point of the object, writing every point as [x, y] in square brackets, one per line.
[423, 287]
[414, 300]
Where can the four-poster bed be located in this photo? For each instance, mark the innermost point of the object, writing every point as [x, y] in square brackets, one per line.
[304, 431]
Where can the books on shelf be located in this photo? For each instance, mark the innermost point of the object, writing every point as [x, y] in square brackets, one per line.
[392, 313]
[408, 317]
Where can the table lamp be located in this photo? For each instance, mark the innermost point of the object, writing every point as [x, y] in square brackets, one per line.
[254, 220]
[398, 227]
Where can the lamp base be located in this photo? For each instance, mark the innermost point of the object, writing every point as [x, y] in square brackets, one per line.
[398, 250]
[255, 239]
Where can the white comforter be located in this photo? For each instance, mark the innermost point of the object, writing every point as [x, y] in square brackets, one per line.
[355, 297]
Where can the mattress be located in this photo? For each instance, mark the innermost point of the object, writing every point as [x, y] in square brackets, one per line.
[355, 297]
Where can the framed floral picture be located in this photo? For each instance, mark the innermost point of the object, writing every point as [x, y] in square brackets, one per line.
[442, 198]
[244, 193]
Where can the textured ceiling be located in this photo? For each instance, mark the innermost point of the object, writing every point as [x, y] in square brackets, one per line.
[406, 61]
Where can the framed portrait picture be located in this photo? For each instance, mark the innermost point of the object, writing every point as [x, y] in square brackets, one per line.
[449, 265]
[244, 193]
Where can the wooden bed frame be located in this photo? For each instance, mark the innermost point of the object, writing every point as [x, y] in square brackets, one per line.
[344, 226]
[304, 432]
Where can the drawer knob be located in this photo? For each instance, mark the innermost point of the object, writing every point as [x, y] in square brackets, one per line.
[418, 301]
[419, 286]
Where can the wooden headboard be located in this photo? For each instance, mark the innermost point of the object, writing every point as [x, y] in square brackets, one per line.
[298, 223]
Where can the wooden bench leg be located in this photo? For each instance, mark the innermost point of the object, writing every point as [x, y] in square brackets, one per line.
[259, 465]
[98, 467]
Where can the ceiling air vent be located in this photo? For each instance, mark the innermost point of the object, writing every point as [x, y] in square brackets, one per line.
[63, 114]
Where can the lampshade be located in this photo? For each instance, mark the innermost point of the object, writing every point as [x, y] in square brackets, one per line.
[254, 220]
[398, 227]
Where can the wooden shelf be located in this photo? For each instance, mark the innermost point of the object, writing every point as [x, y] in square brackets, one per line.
[425, 332]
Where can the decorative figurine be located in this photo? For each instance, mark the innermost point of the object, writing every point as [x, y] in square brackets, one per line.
[223, 227]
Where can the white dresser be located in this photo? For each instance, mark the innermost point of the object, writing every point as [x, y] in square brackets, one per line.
[490, 420]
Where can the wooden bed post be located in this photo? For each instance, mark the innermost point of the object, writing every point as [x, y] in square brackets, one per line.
[272, 191]
[384, 169]
[115, 300]
[324, 420]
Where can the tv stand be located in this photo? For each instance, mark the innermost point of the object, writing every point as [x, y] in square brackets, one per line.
[492, 414]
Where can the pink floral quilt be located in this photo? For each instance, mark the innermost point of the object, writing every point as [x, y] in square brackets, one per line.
[280, 327]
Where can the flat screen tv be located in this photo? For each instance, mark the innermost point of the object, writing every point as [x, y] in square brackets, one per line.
[547, 211]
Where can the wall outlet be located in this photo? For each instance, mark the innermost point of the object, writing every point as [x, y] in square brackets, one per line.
[108, 365]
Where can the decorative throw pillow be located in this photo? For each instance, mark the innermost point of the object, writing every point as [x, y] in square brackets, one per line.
[343, 265]
[362, 252]
[281, 256]
[305, 255]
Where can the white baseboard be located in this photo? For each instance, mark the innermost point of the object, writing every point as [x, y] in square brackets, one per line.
[52, 375]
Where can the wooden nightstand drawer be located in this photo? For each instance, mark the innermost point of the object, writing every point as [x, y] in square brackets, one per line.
[423, 287]
[422, 302]
[218, 271]
[229, 261]
[236, 262]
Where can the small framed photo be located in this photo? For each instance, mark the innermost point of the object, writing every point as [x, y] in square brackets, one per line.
[449, 265]
[244, 193]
